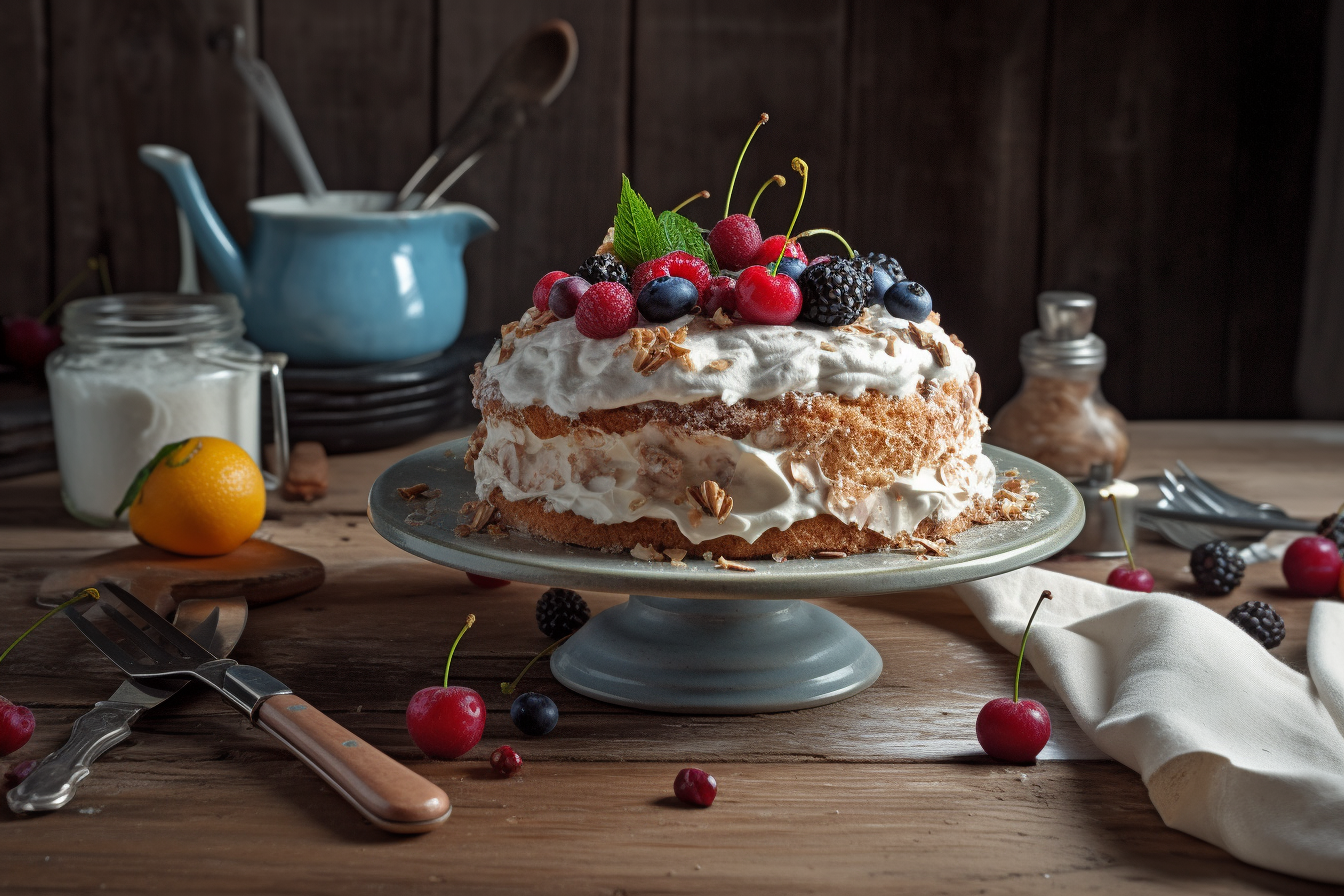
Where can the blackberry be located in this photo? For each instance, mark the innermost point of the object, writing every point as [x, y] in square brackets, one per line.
[884, 270]
[604, 269]
[561, 612]
[1332, 527]
[834, 292]
[1258, 619]
[1217, 567]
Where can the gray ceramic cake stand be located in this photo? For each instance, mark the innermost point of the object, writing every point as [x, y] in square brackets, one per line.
[702, 639]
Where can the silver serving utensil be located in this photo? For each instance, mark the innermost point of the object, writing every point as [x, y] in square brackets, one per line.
[52, 783]
[526, 78]
[144, 646]
[260, 81]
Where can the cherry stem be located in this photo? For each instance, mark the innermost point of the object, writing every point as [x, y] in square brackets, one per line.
[509, 687]
[703, 194]
[830, 232]
[471, 620]
[87, 592]
[801, 167]
[1017, 679]
[68, 289]
[777, 179]
[741, 156]
[1115, 502]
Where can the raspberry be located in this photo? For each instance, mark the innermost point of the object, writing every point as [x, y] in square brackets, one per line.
[673, 264]
[735, 241]
[607, 310]
[721, 293]
[541, 293]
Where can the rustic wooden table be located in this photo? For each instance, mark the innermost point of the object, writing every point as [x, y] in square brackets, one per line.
[884, 792]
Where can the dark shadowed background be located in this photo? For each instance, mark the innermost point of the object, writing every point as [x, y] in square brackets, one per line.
[1162, 155]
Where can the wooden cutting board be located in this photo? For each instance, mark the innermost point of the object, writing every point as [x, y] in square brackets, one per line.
[258, 570]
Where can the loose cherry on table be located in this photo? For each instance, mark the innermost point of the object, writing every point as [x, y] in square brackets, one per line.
[446, 722]
[1311, 566]
[695, 787]
[1015, 730]
[1131, 577]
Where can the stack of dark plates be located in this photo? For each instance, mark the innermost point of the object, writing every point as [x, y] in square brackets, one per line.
[380, 405]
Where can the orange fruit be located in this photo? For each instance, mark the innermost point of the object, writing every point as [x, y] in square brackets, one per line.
[203, 496]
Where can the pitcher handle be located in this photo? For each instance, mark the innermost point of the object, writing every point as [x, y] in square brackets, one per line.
[274, 362]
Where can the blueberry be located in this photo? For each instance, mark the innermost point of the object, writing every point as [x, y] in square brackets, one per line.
[909, 300]
[667, 298]
[792, 267]
[882, 281]
[535, 714]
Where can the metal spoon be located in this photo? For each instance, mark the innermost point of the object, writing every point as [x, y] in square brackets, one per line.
[260, 80]
[527, 77]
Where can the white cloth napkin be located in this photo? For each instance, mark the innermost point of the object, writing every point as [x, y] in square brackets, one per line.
[1235, 747]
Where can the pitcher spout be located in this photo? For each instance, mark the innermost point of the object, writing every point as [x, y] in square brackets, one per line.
[222, 255]
[466, 222]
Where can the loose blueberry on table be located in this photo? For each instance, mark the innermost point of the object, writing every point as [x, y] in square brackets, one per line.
[1311, 566]
[1015, 730]
[534, 714]
[446, 722]
[1130, 577]
[695, 787]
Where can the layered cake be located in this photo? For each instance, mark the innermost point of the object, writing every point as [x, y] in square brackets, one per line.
[653, 402]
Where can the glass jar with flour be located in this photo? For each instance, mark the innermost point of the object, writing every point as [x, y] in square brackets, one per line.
[139, 371]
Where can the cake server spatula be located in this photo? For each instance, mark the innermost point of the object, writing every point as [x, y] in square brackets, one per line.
[144, 646]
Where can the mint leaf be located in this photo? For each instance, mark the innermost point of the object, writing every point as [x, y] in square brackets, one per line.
[637, 237]
[684, 234]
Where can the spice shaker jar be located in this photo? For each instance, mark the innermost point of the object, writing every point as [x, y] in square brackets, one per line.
[1059, 416]
[138, 371]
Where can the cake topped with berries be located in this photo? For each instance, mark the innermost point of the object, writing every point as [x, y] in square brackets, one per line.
[726, 397]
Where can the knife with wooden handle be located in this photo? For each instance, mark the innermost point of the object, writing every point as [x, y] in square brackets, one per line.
[387, 793]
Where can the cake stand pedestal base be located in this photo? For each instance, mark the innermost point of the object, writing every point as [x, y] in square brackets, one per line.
[728, 657]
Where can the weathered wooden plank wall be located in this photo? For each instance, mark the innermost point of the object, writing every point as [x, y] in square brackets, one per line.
[1160, 155]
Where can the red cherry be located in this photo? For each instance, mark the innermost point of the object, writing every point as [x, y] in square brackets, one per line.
[1012, 732]
[606, 310]
[735, 241]
[541, 293]
[28, 341]
[19, 771]
[486, 581]
[565, 295]
[506, 761]
[1312, 566]
[673, 264]
[446, 722]
[769, 251]
[763, 299]
[695, 787]
[16, 726]
[1137, 579]
[721, 293]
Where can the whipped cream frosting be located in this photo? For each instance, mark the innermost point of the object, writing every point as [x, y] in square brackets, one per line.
[609, 478]
[566, 371]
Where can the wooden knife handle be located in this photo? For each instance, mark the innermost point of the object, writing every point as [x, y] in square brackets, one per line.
[387, 793]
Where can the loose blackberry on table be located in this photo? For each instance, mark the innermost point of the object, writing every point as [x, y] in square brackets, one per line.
[561, 612]
[1217, 567]
[1258, 619]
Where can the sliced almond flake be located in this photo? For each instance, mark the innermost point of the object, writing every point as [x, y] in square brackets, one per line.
[675, 554]
[720, 319]
[707, 555]
[975, 389]
[411, 491]
[686, 364]
[779, 556]
[725, 563]
[803, 476]
[931, 546]
[891, 346]
[721, 364]
[508, 328]
[484, 511]
[638, 502]
[831, 555]
[505, 352]
[935, 318]
[941, 354]
[827, 347]
[462, 531]
[646, 552]
[608, 243]
[952, 338]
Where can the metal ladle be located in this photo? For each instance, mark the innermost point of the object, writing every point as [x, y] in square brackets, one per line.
[260, 81]
[526, 78]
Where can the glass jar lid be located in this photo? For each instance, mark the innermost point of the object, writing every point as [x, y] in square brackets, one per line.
[1065, 338]
[140, 320]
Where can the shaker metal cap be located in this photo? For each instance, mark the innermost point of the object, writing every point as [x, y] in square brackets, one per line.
[1065, 336]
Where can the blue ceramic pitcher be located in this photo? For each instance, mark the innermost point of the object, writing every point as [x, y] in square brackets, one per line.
[336, 280]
